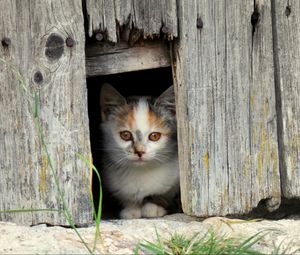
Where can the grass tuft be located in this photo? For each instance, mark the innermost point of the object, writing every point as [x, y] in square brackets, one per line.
[209, 243]
[283, 249]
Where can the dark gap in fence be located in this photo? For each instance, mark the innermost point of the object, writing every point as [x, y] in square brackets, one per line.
[85, 19]
[287, 208]
[147, 82]
[282, 166]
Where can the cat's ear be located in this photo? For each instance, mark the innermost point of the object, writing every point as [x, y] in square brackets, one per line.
[110, 99]
[166, 100]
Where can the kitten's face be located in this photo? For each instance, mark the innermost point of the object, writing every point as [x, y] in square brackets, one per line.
[138, 132]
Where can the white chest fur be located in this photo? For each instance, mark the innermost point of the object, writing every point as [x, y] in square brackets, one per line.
[139, 182]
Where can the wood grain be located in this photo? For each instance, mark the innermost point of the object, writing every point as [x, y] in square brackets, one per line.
[226, 111]
[56, 74]
[287, 53]
[151, 17]
[104, 58]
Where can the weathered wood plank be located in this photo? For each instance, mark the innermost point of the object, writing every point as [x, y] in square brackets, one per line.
[104, 58]
[287, 53]
[226, 107]
[56, 74]
[149, 16]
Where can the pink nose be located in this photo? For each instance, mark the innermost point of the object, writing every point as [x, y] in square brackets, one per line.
[139, 153]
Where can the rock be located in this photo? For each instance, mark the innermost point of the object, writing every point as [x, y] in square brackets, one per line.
[122, 236]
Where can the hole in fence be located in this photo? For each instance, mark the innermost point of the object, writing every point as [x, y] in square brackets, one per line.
[145, 83]
[288, 208]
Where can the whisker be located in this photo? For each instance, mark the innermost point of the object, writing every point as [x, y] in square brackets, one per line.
[107, 149]
[116, 164]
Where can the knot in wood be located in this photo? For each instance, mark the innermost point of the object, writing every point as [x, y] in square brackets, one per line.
[38, 77]
[199, 23]
[70, 42]
[54, 47]
[5, 42]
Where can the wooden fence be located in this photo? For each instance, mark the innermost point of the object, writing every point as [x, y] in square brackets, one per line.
[236, 73]
[238, 104]
[52, 75]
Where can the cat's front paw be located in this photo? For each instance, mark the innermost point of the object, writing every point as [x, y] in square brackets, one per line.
[151, 210]
[131, 213]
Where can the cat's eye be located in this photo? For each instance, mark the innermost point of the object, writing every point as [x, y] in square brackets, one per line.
[126, 135]
[155, 136]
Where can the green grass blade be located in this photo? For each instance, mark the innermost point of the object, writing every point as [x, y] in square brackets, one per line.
[249, 242]
[192, 241]
[36, 106]
[158, 238]
[19, 77]
[153, 248]
[136, 249]
[29, 210]
[97, 214]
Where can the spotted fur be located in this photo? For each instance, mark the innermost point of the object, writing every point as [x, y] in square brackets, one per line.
[139, 168]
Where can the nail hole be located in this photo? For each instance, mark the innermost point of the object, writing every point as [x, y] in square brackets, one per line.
[70, 42]
[165, 29]
[5, 42]
[99, 36]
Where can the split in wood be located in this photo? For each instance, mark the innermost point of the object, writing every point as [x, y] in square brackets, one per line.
[255, 18]
[199, 23]
[288, 11]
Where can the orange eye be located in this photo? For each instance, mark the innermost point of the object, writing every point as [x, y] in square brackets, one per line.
[155, 136]
[126, 135]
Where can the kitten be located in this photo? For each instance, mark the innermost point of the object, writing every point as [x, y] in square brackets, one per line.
[140, 164]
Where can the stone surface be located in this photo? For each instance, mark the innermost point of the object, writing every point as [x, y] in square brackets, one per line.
[121, 236]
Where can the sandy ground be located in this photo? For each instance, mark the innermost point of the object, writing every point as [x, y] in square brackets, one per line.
[122, 236]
